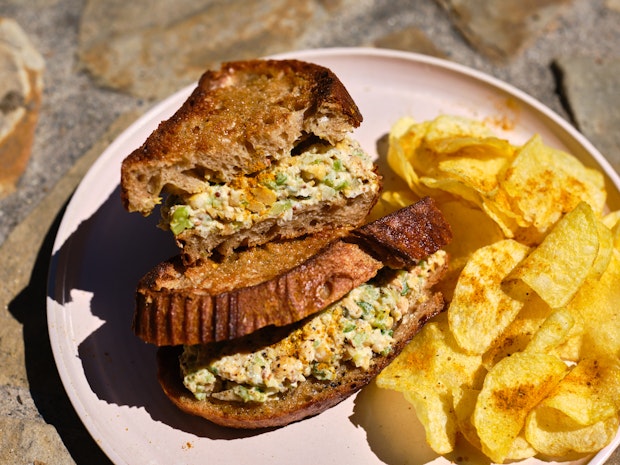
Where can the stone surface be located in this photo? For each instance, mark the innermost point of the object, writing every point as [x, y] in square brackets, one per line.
[21, 87]
[31, 442]
[410, 40]
[590, 85]
[613, 5]
[502, 28]
[122, 53]
[30, 388]
[107, 58]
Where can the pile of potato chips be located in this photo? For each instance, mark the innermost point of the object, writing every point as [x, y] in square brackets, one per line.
[526, 360]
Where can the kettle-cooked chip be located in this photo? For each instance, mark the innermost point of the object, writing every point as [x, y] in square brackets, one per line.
[596, 303]
[590, 392]
[533, 290]
[480, 309]
[471, 230]
[557, 268]
[552, 332]
[511, 389]
[428, 371]
[519, 333]
[451, 126]
[543, 182]
[556, 435]
[605, 249]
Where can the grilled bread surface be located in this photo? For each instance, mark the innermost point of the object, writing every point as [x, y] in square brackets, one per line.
[238, 121]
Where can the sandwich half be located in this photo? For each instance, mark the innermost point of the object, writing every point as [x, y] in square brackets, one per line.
[261, 150]
[307, 330]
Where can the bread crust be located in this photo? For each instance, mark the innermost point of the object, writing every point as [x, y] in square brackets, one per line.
[190, 316]
[310, 397]
[237, 121]
[407, 235]
[280, 283]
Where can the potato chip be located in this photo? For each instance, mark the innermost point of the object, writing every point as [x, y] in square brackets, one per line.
[519, 333]
[570, 349]
[434, 413]
[511, 389]
[556, 435]
[449, 126]
[534, 282]
[449, 153]
[428, 370]
[520, 449]
[503, 216]
[404, 139]
[605, 248]
[543, 182]
[480, 310]
[560, 334]
[471, 147]
[390, 201]
[611, 219]
[464, 400]
[596, 303]
[452, 186]
[557, 268]
[552, 332]
[471, 230]
[478, 175]
[464, 405]
[590, 392]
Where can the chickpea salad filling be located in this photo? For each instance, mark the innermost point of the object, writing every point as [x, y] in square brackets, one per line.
[321, 173]
[352, 330]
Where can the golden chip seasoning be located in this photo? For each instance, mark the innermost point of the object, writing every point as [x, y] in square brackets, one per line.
[526, 360]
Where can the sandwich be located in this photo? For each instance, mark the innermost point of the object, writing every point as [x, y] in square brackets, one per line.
[284, 299]
[261, 150]
[313, 324]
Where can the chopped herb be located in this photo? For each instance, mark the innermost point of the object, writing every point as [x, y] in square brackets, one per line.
[281, 206]
[180, 220]
[367, 308]
[348, 328]
[343, 185]
[280, 179]
[358, 339]
[406, 287]
[386, 351]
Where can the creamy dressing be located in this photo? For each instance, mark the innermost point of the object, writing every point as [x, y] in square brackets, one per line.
[352, 330]
[321, 173]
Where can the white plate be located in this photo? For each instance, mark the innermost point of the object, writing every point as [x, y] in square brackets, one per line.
[101, 251]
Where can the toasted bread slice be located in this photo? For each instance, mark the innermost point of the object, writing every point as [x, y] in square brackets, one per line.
[238, 121]
[280, 283]
[172, 309]
[247, 119]
[311, 396]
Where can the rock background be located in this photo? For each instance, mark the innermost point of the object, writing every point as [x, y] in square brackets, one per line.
[107, 61]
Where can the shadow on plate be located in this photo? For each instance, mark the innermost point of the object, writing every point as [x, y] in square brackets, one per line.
[395, 434]
[96, 271]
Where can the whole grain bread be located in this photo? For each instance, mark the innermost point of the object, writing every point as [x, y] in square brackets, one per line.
[311, 396]
[279, 283]
[238, 121]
